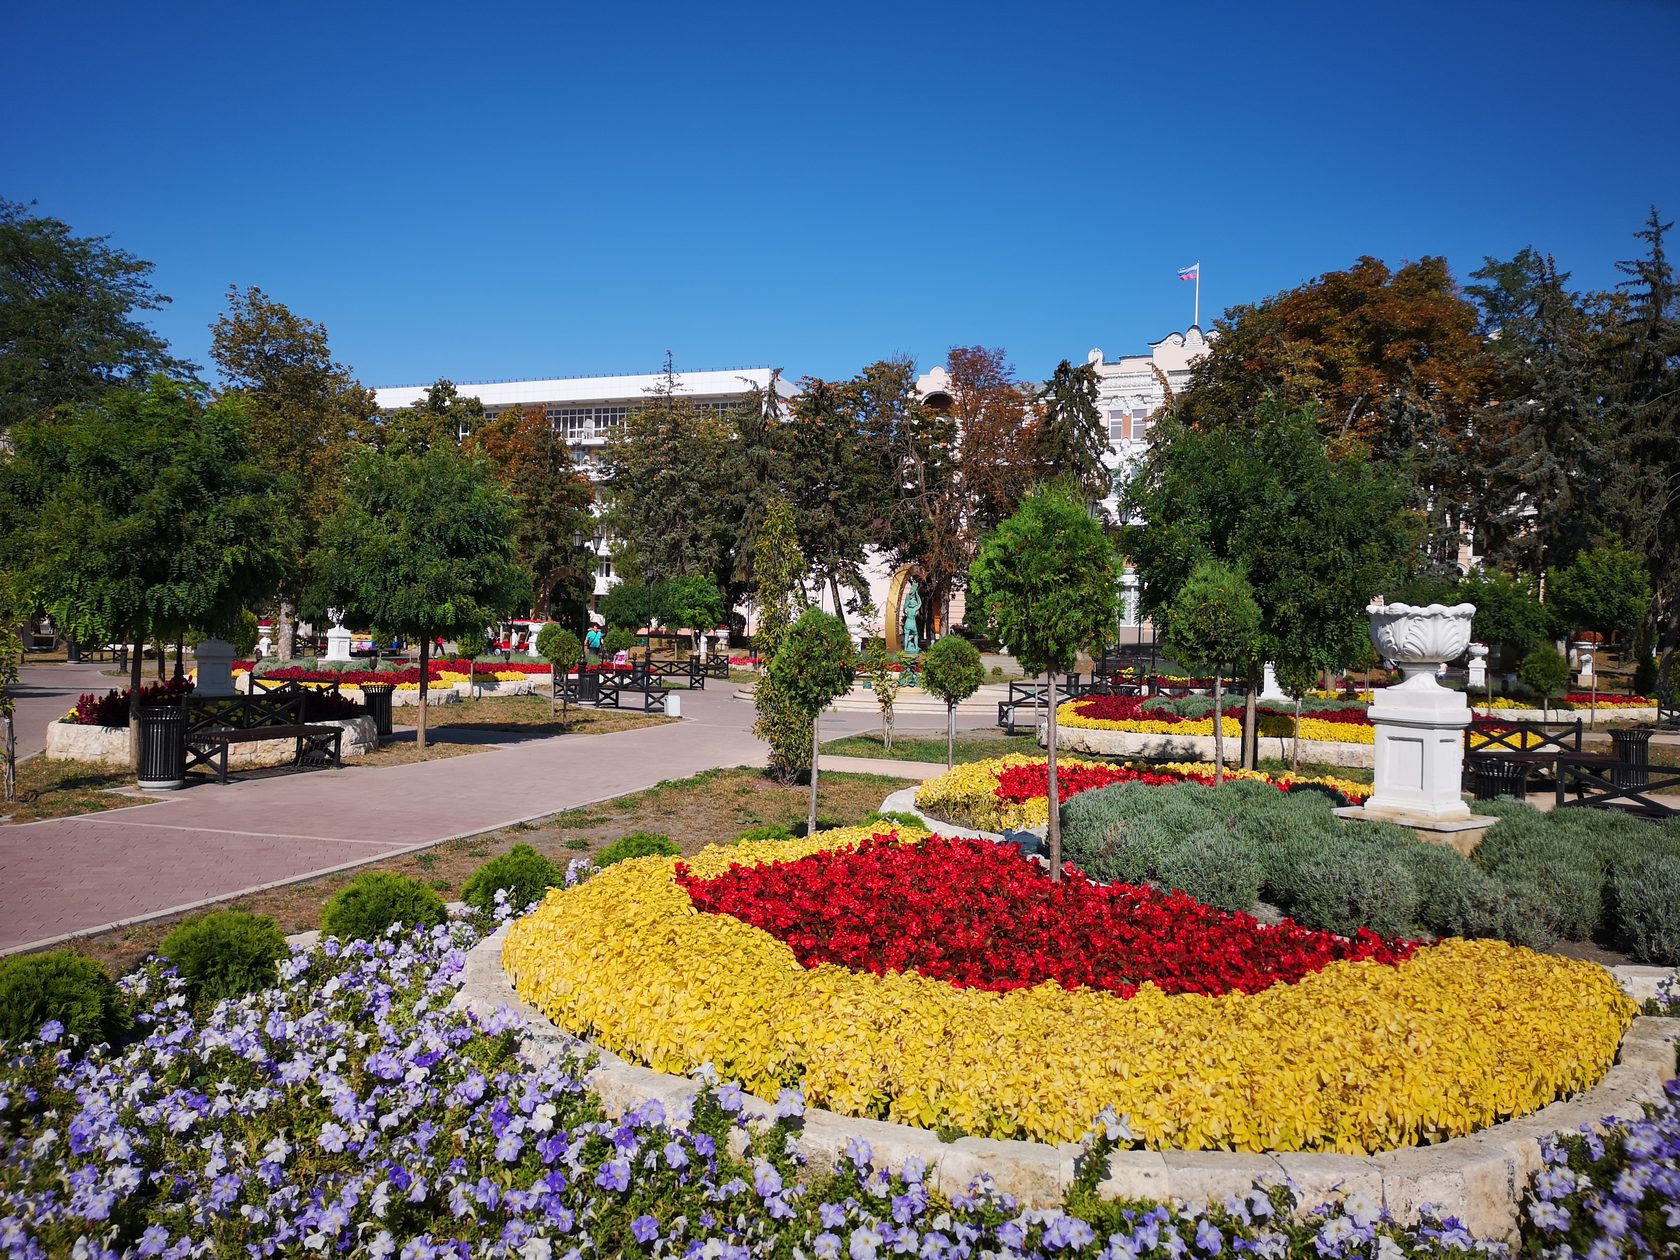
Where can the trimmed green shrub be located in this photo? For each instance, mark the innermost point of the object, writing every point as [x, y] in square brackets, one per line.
[226, 954]
[616, 641]
[1563, 870]
[637, 844]
[1214, 867]
[38, 988]
[1344, 889]
[525, 873]
[1645, 900]
[1458, 898]
[369, 904]
[771, 831]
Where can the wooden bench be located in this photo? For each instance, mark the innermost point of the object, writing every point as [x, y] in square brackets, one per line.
[317, 746]
[1598, 786]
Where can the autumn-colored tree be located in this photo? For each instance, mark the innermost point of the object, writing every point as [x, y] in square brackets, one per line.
[303, 408]
[997, 437]
[554, 506]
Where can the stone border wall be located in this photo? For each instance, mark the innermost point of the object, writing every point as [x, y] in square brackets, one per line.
[1480, 1178]
[106, 746]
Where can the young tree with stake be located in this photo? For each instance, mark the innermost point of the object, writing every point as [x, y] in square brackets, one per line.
[951, 670]
[1048, 579]
[813, 666]
[1214, 620]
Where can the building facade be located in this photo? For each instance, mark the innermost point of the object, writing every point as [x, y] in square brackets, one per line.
[587, 410]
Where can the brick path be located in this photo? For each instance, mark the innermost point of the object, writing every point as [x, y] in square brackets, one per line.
[69, 876]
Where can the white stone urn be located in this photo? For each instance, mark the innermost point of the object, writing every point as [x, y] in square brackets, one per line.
[1419, 724]
[1420, 639]
[1478, 665]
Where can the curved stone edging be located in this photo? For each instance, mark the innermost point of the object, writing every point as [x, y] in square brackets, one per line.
[1479, 1179]
[1108, 743]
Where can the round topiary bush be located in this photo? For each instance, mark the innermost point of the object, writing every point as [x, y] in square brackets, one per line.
[369, 904]
[616, 641]
[526, 874]
[225, 954]
[37, 989]
[638, 844]
[1344, 889]
[1215, 867]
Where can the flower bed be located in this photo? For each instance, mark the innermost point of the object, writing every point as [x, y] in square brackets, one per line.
[111, 709]
[350, 1110]
[972, 913]
[1136, 714]
[1013, 791]
[1356, 1056]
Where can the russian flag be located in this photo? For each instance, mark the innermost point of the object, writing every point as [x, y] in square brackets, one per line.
[1192, 272]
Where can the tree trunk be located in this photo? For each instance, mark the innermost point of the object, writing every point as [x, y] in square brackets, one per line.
[425, 666]
[285, 629]
[1054, 830]
[834, 590]
[950, 736]
[886, 726]
[180, 659]
[816, 751]
[553, 688]
[1295, 756]
[1218, 730]
[161, 662]
[1251, 727]
[135, 664]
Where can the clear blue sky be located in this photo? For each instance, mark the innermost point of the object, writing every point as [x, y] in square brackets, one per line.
[554, 189]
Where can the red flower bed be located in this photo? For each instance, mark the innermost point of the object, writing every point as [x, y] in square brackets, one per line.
[111, 709]
[1024, 783]
[1611, 697]
[980, 915]
[1131, 709]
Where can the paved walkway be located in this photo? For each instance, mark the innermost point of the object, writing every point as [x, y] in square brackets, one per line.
[66, 877]
[47, 692]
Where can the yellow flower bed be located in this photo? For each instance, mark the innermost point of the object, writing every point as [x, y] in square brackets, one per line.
[1270, 724]
[1359, 1057]
[967, 794]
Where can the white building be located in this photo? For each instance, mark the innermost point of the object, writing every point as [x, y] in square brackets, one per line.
[586, 409]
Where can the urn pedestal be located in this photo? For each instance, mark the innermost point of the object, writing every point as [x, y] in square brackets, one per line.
[1419, 727]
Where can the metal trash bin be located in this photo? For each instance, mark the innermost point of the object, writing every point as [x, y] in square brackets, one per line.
[376, 698]
[1633, 750]
[163, 748]
[1495, 777]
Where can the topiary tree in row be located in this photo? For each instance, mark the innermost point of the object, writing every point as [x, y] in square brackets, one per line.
[563, 650]
[813, 666]
[951, 670]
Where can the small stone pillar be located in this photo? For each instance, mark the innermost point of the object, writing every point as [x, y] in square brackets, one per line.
[1477, 673]
[215, 667]
[338, 644]
[1269, 687]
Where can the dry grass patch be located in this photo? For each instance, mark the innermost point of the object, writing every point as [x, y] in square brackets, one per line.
[58, 789]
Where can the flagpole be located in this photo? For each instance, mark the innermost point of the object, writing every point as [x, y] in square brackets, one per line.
[1197, 321]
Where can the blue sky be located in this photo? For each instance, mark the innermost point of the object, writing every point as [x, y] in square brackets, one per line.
[507, 190]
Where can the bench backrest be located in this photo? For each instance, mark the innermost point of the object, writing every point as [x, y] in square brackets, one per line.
[1524, 736]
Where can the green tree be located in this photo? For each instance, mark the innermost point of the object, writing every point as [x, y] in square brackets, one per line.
[1211, 621]
[1297, 676]
[1047, 579]
[628, 606]
[1317, 535]
[1072, 438]
[1545, 671]
[777, 568]
[827, 480]
[1508, 609]
[555, 507]
[884, 680]
[11, 658]
[951, 670]
[563, 651]
[440, 420]
[813, 666]
[671, 488]
[422, 544]
[304, 409]
[141, 515]
[695, 601]
[1606, 589]
[67, 326]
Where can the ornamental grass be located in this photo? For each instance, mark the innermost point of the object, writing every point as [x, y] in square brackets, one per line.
[1359, 1056]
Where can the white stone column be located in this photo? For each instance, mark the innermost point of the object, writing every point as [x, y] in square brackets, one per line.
[1269, 687]
[1478, 666]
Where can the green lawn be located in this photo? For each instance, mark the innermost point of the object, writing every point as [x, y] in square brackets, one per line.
[970, 747]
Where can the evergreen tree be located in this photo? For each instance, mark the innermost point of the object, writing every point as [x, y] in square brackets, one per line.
[824, 464]
[1072, 438]
[779, 568]
[1549, 450]
[1643, 384]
